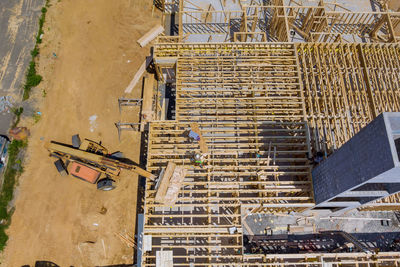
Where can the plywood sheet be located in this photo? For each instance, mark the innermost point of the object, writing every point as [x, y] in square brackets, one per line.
[174, 186]
[147, 242]
[164, 259]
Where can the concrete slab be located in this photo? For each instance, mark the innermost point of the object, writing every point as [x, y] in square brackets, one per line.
[356, 222]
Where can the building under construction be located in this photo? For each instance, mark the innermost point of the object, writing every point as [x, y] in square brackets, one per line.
[282, 98]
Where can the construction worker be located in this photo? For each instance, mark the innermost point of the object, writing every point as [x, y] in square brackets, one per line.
[193, 135]
[198, 159]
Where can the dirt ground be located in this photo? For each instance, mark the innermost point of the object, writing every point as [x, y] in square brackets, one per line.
[88, 56]
[394, 5]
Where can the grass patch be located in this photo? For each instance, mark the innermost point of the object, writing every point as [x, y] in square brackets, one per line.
[13, 169]
[36, 117]
[32, 78]
[41, 23]
[35, 52]
[18, 113]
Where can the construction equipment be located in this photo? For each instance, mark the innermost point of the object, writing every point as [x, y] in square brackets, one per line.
[90, 161]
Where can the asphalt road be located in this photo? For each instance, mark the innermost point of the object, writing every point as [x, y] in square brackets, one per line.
[18, 28]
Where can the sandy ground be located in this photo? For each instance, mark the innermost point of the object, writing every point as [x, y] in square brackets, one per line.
[394, 5]
[58, 218]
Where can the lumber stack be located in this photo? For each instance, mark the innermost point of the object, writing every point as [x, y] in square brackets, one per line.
[203, 146]
[170, 184]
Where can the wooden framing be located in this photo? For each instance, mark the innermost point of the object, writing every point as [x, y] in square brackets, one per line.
[337, 105]
[389, 203]
[263, 106]
[241, 82]
[346, 86]
[233, 178]
[312, 23]
[167, 6]
[248, 104]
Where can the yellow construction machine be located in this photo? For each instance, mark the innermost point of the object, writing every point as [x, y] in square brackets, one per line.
[91, 162]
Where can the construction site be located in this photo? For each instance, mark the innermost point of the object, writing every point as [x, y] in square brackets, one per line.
[272, 91]
[257, 133]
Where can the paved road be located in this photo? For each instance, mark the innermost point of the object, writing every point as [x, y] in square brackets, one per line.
[18, 27]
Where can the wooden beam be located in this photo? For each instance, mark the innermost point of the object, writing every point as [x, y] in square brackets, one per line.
[150, 35]
[147, 103]
[163, 183]
[203, 146]
[136, 78]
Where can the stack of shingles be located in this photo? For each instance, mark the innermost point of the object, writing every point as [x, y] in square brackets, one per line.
[170, 184]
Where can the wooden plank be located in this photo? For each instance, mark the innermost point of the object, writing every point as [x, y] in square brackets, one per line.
[147, 103]
[164, 182]
[136, 78]
[175, 184]
[367, 81]
[210, 7]
[150, 35]
[203, 146]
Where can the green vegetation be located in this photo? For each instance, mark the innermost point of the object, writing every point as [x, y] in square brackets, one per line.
[11, 172]
[32, 78]
[13, 169]
[41, 23]
[14, 165]
[36, 117]
[18, 113]
[35, 52]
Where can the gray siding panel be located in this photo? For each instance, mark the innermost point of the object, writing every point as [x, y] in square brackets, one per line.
[364, 156]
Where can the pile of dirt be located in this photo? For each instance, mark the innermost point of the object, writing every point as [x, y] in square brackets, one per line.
[88, 56]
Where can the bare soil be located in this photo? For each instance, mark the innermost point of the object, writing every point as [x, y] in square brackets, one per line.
[88, 56]
[394, 5]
